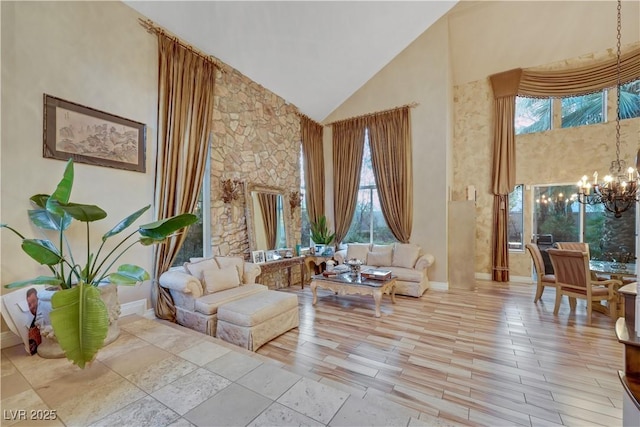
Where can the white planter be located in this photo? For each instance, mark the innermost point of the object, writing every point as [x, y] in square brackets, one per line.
[49, 347]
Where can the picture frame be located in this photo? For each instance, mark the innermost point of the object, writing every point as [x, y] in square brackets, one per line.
[92, 136]
[17, 314]
[270, 255]
[258, 257]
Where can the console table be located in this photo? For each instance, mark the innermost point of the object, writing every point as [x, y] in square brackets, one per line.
[279, 264]
[316, 264]
[630, 378]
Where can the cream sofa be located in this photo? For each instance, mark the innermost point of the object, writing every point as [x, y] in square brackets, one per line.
[408, 262]
[199, 288]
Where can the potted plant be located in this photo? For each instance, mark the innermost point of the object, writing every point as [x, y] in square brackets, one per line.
[79, 317]
[320, 233]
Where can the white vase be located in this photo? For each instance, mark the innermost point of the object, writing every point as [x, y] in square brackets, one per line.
[49, 347]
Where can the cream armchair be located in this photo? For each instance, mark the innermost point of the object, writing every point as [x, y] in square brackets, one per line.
[199, 288]
[408, 262]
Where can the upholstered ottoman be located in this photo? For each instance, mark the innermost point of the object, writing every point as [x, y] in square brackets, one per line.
[257, 319]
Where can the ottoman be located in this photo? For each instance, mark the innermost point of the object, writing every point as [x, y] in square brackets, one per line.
[257, 319]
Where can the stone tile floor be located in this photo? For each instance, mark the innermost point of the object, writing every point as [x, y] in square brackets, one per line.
[160, 374]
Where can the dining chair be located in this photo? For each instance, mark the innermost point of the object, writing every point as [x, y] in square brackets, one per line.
[538, 265]
[573, 279]
[582, 247]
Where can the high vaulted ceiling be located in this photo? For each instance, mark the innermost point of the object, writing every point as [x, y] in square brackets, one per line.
[314, 54]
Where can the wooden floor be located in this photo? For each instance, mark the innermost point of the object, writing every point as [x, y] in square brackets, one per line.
[485, 357]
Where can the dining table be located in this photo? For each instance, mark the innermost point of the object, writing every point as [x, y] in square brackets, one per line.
[615, 270]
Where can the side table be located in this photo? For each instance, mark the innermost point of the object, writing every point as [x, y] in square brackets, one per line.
[315, 264]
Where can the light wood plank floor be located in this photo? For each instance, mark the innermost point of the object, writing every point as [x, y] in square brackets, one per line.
[484, 357]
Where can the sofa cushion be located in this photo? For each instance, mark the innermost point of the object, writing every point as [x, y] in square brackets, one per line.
[405, 255]
[257, 309]
[407, 274]
[382, 248]
[216, 280]
[235, 261]
[357, 251]
[209, 304]
[379, 258]
[197, 268]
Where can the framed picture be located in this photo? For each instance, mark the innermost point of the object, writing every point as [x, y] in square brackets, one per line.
[19, 310]
[258, 257]
[271, 255]
[91, 136]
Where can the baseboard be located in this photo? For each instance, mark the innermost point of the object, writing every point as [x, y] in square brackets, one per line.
[150, 314]
[515, 279]
[138, 307]
[9, 339]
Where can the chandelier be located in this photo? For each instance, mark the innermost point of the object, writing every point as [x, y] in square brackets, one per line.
[619, 190]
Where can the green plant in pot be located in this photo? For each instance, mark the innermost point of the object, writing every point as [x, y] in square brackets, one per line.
[320, 233]
[79, 317]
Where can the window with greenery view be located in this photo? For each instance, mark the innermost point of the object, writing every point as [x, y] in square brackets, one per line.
[583, 110]
[532, 115]
[557, 217]
[516, 212]
[305, 232]
[368, 224]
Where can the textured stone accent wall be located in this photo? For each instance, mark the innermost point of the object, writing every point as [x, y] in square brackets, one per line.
[558, 156]
[256, 139]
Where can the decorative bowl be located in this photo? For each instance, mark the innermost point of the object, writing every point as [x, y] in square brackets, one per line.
[354, 264]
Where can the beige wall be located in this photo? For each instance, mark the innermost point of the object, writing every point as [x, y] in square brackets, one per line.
[94, 54]
[460, 51]
[418, 74]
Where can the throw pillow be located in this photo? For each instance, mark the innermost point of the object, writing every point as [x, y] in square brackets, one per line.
[197, 268]
[382, 248]
[232, 261]
[405, 255]
[220, 279]
[357, 251]
[379, 259]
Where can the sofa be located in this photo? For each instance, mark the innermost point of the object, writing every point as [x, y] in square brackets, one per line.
[200, 287]
[408, 262]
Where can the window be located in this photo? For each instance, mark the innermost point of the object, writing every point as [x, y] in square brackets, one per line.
[537, 115]
[368, 224]
[583, 110]
[305, 232]
[558, 217]
[515, 230]
[532, 115]
[197, 242]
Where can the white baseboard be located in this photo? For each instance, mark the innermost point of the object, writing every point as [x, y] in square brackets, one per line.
[483, 276]
[9, 339]
[150, 314]
[138, 307]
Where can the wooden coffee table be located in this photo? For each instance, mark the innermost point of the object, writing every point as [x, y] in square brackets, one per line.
[346, 284]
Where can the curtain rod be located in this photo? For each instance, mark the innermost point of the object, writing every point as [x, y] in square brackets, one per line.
[375, 113]
[152, 28]
[301, 114]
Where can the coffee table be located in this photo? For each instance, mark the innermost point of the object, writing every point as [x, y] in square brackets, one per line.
[348, 284]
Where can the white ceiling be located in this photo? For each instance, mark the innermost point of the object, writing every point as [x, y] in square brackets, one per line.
[314, 54]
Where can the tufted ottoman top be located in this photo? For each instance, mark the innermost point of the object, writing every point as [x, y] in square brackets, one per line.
[257, 308]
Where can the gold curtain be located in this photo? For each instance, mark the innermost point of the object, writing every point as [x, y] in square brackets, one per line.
[581, 80]
[313, 167]
[269, 207]
[348, 146]
[505, 86]
[185, 111]
[390, 139]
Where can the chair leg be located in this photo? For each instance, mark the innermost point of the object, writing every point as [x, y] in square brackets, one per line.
[539, 291]
[589, 309]
[558, 299]
[572, 303]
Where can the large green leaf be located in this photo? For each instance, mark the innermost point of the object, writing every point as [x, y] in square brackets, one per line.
[63, 190]
[165, 227]
[84, 213]
[125, 223]
[129, 274]
[80, 321]
[46, 220]
[40, 280]
[43, 251]
[40, 200]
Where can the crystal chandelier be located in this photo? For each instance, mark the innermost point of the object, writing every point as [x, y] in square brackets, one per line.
[619, 190]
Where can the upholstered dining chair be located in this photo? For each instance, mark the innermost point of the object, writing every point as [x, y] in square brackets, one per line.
[582, 247]
[573, 279]
[538, 265]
